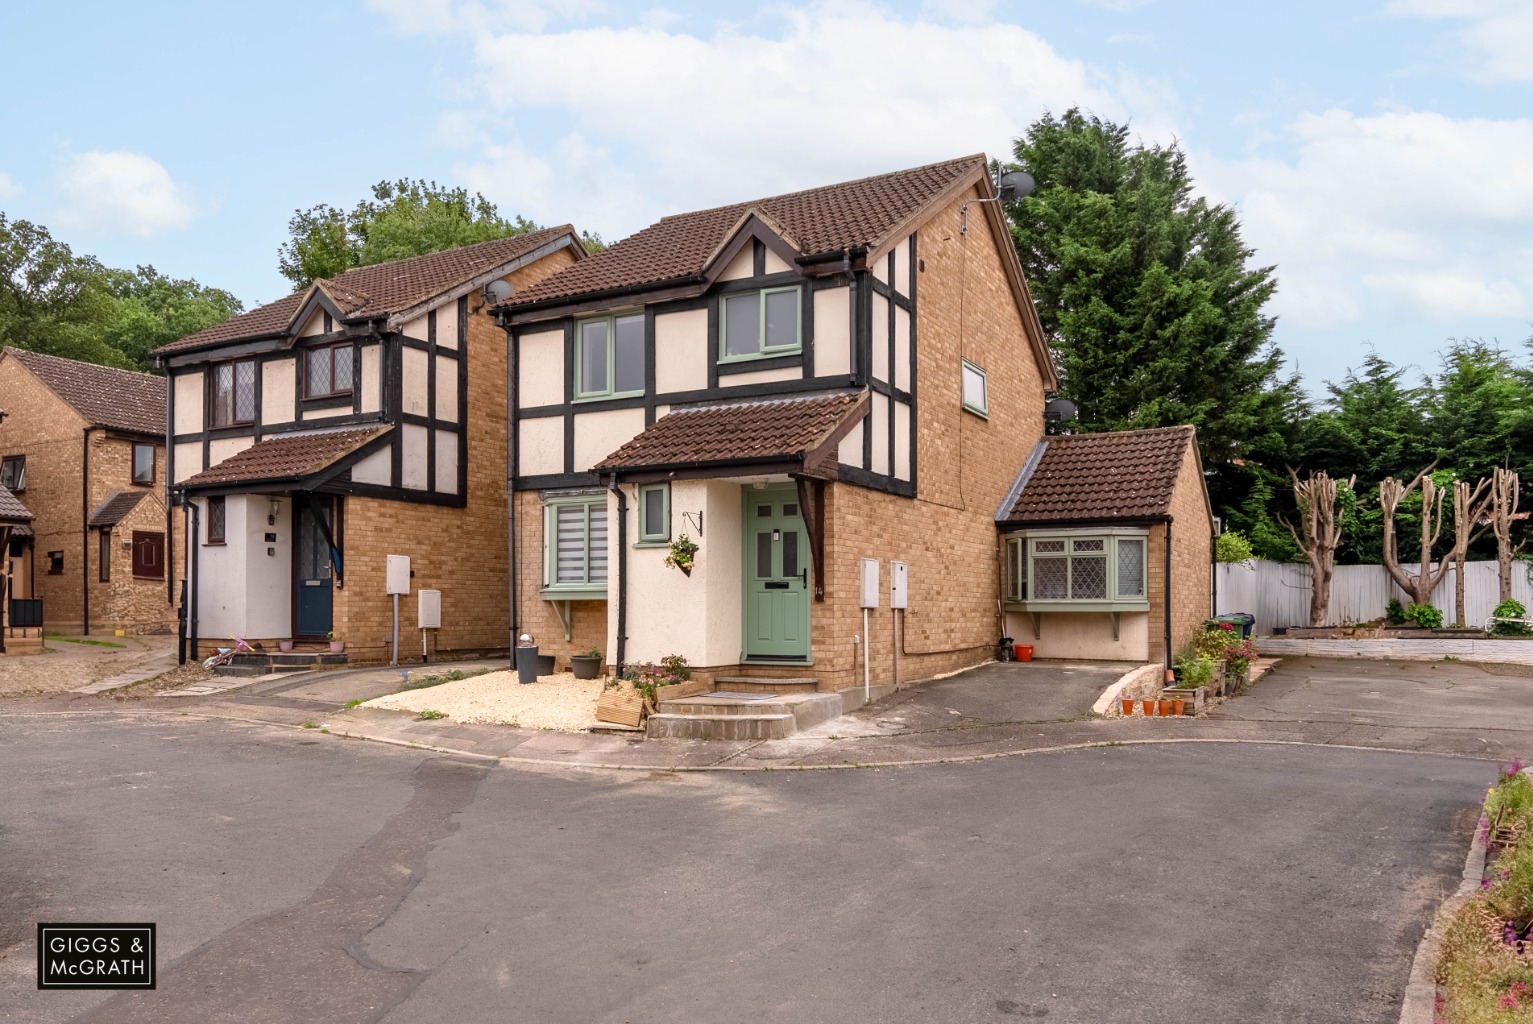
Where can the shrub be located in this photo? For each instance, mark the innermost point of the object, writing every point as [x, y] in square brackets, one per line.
[1233, 546]
[1394, 612]
[1215, 639]
[1510, 609]
[1424, 615]
[1197, 670]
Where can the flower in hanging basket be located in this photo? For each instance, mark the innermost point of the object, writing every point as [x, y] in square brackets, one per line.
[683, 551]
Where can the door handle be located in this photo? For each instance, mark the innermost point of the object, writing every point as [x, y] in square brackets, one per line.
[803, 576]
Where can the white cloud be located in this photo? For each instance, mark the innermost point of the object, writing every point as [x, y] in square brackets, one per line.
[121, 192]
[662, 120]
[1497, 35]
[9, 189]
[1392, 216]
[444, 16]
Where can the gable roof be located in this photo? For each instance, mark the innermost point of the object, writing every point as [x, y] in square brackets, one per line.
[12, 511]
[286, 457]
[383, 289]
[795, 429]
[828, 219]
[104, 396]
[115, 508]
[1124, 474]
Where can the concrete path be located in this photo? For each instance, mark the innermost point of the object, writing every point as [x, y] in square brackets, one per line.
[148, 669]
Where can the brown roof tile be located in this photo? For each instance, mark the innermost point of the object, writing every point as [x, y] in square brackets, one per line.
[116, 508]
[12, 511]
[1126, 474]
[831, 218]
[381, 289]
[765, 429]
[104, 395]
[285, 457]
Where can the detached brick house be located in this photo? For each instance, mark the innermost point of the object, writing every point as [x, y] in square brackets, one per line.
[84, 447]
[360, 418]
[807, 387]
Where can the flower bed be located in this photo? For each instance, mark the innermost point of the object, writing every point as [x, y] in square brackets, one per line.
[1485, 970]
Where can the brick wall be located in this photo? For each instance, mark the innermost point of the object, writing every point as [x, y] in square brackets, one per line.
[459, 551]
[125, 602]
[1191, 548]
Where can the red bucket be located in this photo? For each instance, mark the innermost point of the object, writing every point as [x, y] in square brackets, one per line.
[1024, 652]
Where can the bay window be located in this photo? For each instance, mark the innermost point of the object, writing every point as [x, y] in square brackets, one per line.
[1078, 570]
[575, 545]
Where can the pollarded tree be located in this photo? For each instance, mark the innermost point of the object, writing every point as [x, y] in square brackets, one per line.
[1317, 536]
[1504, 498]
[1391, 493]
[1470, 506]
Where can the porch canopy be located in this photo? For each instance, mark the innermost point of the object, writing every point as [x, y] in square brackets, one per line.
[304, 462]
[794, 435]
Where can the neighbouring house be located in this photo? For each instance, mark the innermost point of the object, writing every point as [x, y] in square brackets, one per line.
[17, 633]
[360, 418]
[84, 447]
[809, 388]
[1109, 545]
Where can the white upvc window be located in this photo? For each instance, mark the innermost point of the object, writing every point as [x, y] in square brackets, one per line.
[758, 324]
[575, 545]
[976, 390]
[1078, 570]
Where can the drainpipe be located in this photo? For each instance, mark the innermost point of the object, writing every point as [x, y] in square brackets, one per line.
[512, 402]
[192, 548]
[622, 572]
[85, 532]
[1167, 600]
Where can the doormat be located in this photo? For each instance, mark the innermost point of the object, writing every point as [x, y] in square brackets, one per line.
[731, 695]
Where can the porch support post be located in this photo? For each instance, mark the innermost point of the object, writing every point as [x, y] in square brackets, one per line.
[815, 526]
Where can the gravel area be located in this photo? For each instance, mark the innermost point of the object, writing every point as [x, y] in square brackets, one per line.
[560, 702]
[65, 666]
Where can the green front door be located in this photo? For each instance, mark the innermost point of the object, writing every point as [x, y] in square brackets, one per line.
[776, 576]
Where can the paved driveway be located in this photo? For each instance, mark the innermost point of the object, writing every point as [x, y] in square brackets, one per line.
[298, 876]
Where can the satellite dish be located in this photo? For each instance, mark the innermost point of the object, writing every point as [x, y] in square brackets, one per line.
[1060, 410]
[1015, 185]
[497, 292]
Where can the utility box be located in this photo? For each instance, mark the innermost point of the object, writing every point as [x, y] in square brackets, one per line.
[428, 609]
[396, 576]
[899, 585]
[870, 583]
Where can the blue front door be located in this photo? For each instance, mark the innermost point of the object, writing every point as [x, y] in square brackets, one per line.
[312, 578]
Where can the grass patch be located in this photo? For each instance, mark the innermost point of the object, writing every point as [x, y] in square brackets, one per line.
[353, 702]
[310, 724]
[1486, 965]
[430, 716]
[438, 678]
[61, 638]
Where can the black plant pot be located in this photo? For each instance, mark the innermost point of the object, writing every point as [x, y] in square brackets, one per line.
[527, 664]
[585, 667]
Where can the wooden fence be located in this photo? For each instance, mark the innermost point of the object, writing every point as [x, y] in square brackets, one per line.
[1278, 593]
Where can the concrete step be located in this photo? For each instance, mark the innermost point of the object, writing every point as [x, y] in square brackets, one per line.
[807, 709]
[240, 671]
[720, 727]
[766, 684]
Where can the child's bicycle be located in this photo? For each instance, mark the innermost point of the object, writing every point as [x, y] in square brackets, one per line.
[226, 654]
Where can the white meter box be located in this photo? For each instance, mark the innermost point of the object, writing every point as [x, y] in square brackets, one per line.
[870, 583]
[396, 576]
[899, 585]
[428, 609]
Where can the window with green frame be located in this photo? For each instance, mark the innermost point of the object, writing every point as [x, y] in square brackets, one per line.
[655, 514]
[1097, 570]
[754, 325]
[609, 357]
[575, 542]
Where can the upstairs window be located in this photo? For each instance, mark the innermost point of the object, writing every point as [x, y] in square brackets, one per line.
[609, 357]
[234, 393]
[575, 534]
[143, 463]
[327, 371]
[753, 325]
[976, 391]
[13, 473]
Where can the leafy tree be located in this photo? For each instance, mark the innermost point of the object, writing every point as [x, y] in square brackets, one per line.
[1479, 411]
[1374, 424]
[1146, 295]
[152, 310]
[403, 218]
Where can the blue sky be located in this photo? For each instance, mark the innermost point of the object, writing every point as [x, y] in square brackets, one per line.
[1380, 152]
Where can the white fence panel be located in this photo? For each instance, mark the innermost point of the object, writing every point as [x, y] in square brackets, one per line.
[1278, 593]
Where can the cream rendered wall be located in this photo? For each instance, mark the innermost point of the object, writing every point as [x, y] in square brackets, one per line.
[446, 388]
[599, 434]
[446, 461]
[188, 397]
[832, 332]
[697, 617]
[849, 452]
[412, 468]
[188, 460]
[775, 264]
[901, 441]
[902, 267]
[314, 325]
[447, 321]
[540, 369]
[901, 348]
[1084, 636]
[878, 418]
[413, 391]
[881, 270]
[372, 379]
[417, 329]
[221, 595]
[244, 591]
[540, 446]
[227, 447]
[880, 332]
[377, 468]
[279, 402]
[742, 266]
[734, 380]
[681, 351]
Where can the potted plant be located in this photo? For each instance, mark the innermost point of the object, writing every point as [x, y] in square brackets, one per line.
[1128, 707]
[285, 646]
[587, 665]
[337, 642]
[1148, 704]
[683, 553]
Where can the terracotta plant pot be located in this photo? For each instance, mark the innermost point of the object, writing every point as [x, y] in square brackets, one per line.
[1165, 708]
[1128, 707]
[1176, 705]
[1149, 708]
